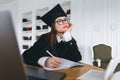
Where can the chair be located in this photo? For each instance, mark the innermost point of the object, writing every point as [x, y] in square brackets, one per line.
[101, 55]
[117, 68]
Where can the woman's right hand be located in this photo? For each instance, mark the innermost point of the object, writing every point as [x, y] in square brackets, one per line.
[53, 62]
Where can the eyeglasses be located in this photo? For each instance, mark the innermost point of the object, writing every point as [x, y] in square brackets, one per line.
[60, 21]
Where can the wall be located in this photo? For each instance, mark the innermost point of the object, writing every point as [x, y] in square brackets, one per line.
[13, 7]
[96, 21]
[36, 4]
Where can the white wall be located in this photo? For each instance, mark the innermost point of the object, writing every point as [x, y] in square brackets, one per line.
[96, 21]
[27, 5]
[13, 7]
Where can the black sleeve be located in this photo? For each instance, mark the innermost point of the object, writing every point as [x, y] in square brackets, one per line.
[32, 55]
[72, 47]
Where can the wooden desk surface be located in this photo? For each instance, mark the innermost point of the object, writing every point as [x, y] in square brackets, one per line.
[73, 73]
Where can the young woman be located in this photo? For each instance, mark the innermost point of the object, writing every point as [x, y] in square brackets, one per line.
[58, 42]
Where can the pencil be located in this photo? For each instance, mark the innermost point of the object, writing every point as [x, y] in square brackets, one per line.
[50, 53]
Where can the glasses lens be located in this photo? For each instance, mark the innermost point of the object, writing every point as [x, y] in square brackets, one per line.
[60, 21]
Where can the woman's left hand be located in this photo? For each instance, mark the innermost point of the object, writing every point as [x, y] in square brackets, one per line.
[70, 27]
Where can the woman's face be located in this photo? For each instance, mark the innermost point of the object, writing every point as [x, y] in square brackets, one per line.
[61, 24]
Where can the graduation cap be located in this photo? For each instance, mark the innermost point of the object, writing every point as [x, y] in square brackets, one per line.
[54, 13]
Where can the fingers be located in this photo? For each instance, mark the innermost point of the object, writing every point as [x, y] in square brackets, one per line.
[70, 24]
[53, 62]
[57, 60]
[70, 27]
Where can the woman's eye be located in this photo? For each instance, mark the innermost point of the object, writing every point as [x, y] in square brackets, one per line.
[60, 21]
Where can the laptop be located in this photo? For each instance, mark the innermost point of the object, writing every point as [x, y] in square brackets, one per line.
[11, 63]
[100, 75]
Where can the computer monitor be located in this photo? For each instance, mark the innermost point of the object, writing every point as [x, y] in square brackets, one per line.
[11, 67]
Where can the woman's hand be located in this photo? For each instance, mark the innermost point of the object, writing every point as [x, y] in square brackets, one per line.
[53, 62]
[70, 27]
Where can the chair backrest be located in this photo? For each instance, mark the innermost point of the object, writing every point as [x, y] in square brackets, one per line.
[102, 51]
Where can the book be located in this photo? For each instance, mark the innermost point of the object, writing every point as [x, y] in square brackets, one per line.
[66, 64]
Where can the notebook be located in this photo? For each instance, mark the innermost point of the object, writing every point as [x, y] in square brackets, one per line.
[100, 75]
[66, 64]
[11, 65]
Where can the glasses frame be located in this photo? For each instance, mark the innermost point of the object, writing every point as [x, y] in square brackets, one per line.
[63, 21]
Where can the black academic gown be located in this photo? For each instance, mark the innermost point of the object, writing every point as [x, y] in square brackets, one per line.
[68, 50]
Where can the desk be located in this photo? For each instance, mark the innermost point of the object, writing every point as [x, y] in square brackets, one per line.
[75, 72]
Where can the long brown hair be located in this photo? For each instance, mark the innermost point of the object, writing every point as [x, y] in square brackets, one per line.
[52, 37]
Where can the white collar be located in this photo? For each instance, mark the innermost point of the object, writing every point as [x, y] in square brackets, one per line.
[59, 39]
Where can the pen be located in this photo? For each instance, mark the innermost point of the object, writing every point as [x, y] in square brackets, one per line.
[50, 53]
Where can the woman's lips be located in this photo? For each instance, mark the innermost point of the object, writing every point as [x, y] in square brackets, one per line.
[64, 26]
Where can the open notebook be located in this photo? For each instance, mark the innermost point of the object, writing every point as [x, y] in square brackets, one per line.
[100, 75]
[65, 65]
